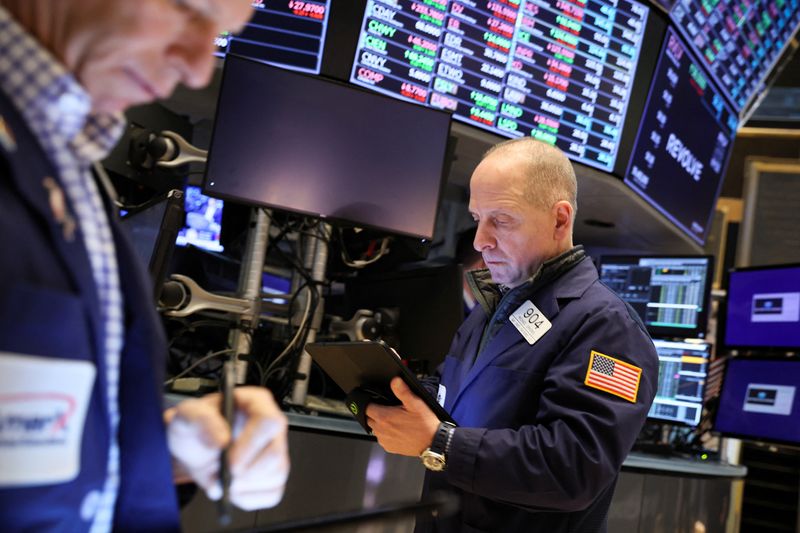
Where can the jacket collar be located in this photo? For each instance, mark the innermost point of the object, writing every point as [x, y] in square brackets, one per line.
[549, 298]
[490, 295]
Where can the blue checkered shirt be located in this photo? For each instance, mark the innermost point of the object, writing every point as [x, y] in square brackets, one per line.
[58, 111]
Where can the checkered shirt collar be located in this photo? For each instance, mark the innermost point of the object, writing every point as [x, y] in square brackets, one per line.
[50, 98]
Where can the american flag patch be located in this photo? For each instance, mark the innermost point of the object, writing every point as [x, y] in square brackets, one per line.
[614, 376]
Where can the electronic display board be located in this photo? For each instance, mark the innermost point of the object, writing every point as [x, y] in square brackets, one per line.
[558, 70]
[684, 141]
[739, 41]
[285, 33]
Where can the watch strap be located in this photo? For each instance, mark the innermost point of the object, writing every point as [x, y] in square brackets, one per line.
[442, 438]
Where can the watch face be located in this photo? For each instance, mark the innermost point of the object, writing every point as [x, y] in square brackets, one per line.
[433, 461]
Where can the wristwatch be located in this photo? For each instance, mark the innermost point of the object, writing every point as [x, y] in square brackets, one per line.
[435, 457]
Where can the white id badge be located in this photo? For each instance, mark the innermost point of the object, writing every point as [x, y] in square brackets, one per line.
[441, 394]
[530, 322]
[43, 403]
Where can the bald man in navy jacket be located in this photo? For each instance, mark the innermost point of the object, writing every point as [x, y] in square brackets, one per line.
[550, 378]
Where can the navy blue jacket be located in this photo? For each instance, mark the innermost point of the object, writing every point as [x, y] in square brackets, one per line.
[537, 450]
[49, 307]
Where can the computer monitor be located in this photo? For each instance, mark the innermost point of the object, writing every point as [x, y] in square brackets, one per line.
[682, 375]
[760, 401]
[763, 308]
[203, 221]
[670, 293]
[684, 142]
[313, 146]
[429, 302]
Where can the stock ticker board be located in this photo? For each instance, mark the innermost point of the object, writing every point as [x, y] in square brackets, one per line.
[684, 141]
[558, 70]
[285, 33]
[739, 40]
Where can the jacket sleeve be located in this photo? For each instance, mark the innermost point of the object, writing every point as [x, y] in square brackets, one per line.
[581, 435]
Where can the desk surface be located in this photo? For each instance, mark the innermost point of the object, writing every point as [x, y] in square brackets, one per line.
[635, 460]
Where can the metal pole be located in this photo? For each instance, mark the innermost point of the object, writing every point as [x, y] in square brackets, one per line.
[315, 260]
[250, 286]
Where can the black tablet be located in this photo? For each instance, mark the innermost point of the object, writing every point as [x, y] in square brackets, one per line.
[365, 369]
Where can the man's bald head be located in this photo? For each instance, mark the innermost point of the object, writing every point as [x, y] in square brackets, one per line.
[548, 176]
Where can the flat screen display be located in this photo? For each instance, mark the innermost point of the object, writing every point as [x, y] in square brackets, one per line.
[203, 221]
[684, 142]
[739, 42]
[557, 70]
[285, 33]
[760, 401]
[763, 308]
[682, 375]
[308, 145]
[671, 294]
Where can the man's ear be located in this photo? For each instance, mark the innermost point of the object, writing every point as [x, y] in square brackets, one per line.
[562, 212]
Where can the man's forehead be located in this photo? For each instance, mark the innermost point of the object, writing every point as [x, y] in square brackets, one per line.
[499, 173]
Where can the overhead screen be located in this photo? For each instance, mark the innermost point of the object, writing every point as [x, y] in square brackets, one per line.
[671, 294]
[684, 142]
[760, 401]
[558, 70]
[308, 145]
[739, 41]
[285, 33]
[764, 309]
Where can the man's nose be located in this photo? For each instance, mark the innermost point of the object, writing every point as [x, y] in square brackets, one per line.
[484, 239]
[195, 54]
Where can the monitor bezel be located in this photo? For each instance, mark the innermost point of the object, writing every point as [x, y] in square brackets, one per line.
[722, 323]
[742, 436]
[678, 423]
[700, 331]
[321, 217]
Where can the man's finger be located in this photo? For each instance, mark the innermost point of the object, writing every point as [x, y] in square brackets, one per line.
[403, 393]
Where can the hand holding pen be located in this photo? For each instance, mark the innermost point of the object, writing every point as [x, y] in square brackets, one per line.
[258, 458]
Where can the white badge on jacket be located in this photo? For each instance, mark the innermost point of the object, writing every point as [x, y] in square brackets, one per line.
[43, 403]
[530, 322]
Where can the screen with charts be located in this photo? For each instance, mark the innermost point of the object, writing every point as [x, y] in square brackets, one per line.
[763, 308]
[682, 373]
[285, 33]
[670, 294]
[739, 41]
[558, 70]
[684, 142]
[326, 149]
[203, 221]
[759, 400]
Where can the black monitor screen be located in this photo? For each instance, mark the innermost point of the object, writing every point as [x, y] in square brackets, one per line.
[671, 294]
[763, 308]
[308, 145]
[425, 325]
[684, 142]
[682, 373]
[286, 33]
[738, 41]
[558, 70]
[760, 401]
